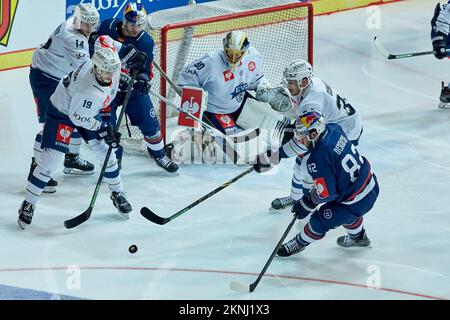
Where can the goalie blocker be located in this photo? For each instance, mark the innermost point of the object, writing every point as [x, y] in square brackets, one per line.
[190, 145]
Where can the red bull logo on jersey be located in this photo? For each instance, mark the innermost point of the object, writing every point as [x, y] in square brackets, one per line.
[8, 13]
[63, 134]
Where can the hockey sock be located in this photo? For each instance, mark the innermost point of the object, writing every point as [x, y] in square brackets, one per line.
[75, 142]
[37, 149]
[155, 145]
[355, 229]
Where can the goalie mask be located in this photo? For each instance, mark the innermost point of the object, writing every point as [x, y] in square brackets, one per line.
[296, 71]
[106, 62]
[134, 18]
[86, 18]
[308, 128]
[235, 44]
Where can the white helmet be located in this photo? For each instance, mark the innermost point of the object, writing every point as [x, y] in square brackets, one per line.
[235, 44]
[104, 42]
[298, 70]
[87, 13]
[106, 60]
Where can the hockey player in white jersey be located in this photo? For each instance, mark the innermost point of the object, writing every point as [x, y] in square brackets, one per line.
[309, 93]
[75, 105]
[65, 49]
[226, 75]
[440, 31]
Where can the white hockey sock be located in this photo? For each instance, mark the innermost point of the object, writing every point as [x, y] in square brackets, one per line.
[37, 149]
[50, 160]
[75, 142]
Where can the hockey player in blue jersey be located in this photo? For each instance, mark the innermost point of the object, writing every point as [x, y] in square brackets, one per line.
[440, 30]
[344, 186]
[140, 108]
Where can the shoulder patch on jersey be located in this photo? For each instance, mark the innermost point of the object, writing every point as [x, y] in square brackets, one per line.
[321, 188]
[252, 66]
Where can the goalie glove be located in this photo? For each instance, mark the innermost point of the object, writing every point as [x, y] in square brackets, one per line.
[278, 97]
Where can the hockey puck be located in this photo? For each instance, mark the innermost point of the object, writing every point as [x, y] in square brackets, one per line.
[133, 248]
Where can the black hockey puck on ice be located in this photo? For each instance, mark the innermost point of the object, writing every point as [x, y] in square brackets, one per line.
[132, 248]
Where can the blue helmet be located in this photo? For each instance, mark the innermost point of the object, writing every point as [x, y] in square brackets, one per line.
[135, 14]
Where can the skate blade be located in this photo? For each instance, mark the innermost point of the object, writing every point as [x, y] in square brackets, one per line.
[49, 189]
[125, 215]
[272, 209]
[77, 172]
[21, 224]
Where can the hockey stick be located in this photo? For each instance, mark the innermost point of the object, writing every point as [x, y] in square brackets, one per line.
[391, 56]
[166, 77]
[245, 288]
[71, 223]
[150, 215]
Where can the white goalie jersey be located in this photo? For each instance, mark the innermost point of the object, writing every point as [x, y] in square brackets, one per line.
[81, 97]
[226, 88]
[64, 50]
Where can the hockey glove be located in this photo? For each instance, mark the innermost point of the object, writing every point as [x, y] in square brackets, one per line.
[278, 97]
[266, 161]
[135, 60]
[124, 81]
[107, 133]
[439, 45]
[142, 85]
[303, 207]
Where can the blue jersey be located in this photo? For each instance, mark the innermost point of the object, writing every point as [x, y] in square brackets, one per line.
[143, 42]
[441, 21]
[339, 172]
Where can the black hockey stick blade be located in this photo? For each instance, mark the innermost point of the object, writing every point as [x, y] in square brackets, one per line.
[150, 215]
[72, 223]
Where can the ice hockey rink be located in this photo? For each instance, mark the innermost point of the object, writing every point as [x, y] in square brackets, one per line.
[230, 236]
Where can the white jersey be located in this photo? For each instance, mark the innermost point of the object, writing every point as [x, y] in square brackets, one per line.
[335, 109]
[64, 51]
[81, 97]
[226, 88]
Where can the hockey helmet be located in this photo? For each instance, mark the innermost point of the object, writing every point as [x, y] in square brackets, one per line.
[308, 122]
[106, 62]
[298, 70]
[86, 18]
[235, 44]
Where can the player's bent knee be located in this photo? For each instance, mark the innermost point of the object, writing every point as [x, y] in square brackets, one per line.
[50, 160]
